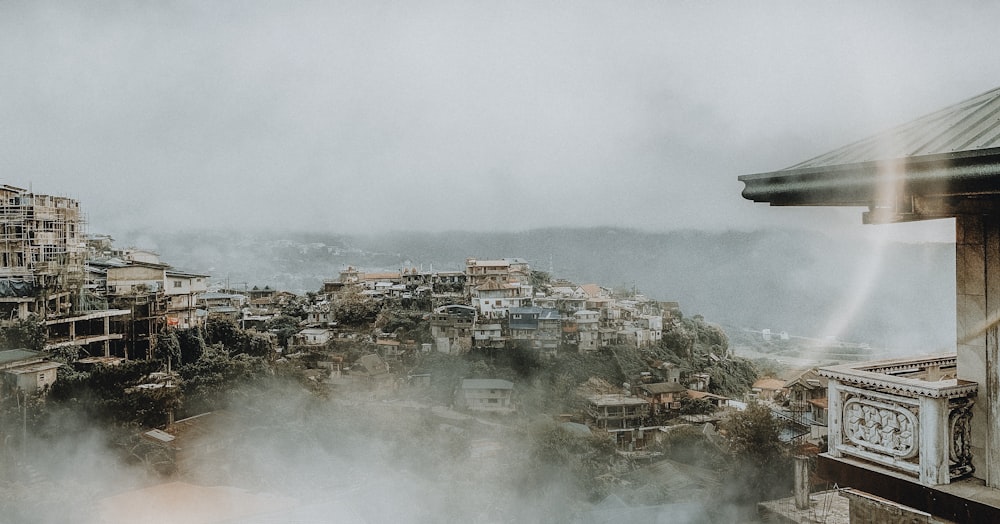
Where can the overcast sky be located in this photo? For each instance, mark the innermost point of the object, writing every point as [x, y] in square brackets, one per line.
[374, 116]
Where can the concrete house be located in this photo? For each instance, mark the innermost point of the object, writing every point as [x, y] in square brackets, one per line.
[587, 325]
[313, 336]
[485, 394]
[451, 328]
[26, 371]
[540, 327]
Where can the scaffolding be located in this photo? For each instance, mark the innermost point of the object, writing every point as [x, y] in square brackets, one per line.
[42, 239]
[42, 253]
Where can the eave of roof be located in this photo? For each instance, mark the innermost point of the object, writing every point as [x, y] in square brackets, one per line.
[953, 152]
[963, 173]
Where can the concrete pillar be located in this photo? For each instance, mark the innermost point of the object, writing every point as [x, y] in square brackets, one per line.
[934, 441]
[977, 268]
[801, 482]
[835, 422]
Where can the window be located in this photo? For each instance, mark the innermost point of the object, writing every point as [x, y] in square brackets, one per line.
[178, 283]
[493, 401]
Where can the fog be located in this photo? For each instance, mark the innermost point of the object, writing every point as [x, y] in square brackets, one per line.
[396, 118]
[282, 454]
[379, 116]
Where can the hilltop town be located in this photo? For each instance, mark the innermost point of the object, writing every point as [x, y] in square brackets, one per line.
[497, 365]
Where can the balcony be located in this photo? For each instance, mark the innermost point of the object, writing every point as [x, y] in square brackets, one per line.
[911, 416]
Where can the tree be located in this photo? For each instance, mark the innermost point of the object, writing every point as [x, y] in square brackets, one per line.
[65, 354]
[557, 454]
[762, 467]
[220, 330]
[753, 433]
[209, 380]
[25, 333]
[192, 344]
[168, 348]
[356, 310]
[284, 327]
[696, 406]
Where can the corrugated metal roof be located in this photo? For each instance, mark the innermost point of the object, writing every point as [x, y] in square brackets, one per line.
[903, 174]
[966, 126]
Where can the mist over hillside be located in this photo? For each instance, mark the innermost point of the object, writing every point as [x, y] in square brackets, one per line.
[895, 295]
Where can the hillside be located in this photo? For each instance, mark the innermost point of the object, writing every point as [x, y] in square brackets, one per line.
[900, 295]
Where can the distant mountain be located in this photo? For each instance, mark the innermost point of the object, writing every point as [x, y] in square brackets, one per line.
[899, 295]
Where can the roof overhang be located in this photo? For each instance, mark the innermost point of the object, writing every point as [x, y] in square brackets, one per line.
[894, 190]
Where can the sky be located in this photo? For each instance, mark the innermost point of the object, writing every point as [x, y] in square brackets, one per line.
[368, 116]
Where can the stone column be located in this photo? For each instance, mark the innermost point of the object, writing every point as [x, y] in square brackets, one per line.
[934, 441]
[835, 418]
[977, 268]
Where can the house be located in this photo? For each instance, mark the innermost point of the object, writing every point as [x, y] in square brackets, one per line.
[494, 299]
[26, 371]
[451, 328]
[507, 270]
[313, 336]
[587, 325]
[803, 387]
[320, 315]
[616, 411]
[541, 327]
[622, 417]
[662, 396]
[767, 389]
[717, 400]
[488, 335]
[225, 305]
[172, 293]
[389, 348]
[485, 394]
[699, 381]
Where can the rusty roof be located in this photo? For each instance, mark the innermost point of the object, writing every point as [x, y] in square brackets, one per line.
[951, 152]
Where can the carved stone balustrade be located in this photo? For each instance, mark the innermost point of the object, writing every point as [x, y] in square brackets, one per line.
[911, 415]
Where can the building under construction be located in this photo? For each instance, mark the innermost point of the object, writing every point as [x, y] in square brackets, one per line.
[43, 253]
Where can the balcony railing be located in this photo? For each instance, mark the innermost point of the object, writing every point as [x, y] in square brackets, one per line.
[909, 415]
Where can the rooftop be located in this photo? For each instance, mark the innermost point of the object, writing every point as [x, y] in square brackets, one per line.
[12, 356]
[614, 399]
[663, 387]
[486, 383]
[905, 173]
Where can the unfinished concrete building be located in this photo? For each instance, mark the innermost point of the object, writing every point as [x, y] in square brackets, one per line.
[42, 252]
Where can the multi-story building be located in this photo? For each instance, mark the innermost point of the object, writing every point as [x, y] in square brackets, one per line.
[451, 328]
[494, 299]
[506, 270]
[485, 394]
[42, 253]
[171, 295]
